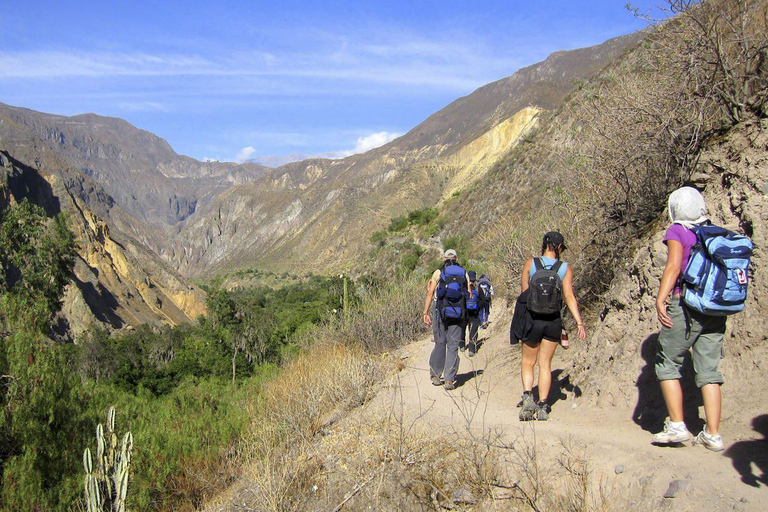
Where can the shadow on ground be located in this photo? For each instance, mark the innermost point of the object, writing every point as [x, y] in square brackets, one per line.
[752, 454]
[465, 377]
[650, 410]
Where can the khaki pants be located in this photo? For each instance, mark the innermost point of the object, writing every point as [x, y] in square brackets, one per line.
[691, 330]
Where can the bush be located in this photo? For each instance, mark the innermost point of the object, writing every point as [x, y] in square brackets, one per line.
[460, 243]
[397, 224]
[379, 238]
[183, 441]
[422, 217]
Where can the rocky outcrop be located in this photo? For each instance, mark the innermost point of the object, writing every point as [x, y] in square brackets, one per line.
[615, 366]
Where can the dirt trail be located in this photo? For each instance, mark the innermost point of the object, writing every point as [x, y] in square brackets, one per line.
[620, 452]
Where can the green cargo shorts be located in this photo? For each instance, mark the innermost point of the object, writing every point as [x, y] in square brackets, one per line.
[691, 330]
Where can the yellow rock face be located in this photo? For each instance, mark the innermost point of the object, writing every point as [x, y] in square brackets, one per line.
[477, 157]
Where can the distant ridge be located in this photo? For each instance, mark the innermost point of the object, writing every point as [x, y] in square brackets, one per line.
[318, 214]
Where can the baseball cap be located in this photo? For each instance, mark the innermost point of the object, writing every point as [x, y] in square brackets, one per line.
[554, 237]
[450, 253]
[472, 275]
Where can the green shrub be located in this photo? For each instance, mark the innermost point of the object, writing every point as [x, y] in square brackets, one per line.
[397, 224]
[423, 217]
[460, 243]
[379, 238]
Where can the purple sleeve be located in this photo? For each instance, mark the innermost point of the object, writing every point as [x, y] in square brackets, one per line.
[687, 239]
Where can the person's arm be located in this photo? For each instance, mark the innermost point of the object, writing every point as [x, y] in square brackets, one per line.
[431, 285]
[668, 280]
[572, 303]
[525, 277]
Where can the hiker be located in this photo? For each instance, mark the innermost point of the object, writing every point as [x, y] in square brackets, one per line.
[550, 280]
[475, 304]
[448, 288]
[484, 283]
[684, 329]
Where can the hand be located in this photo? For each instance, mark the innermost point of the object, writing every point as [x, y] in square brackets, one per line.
[661, 312]
[582, 332]
[427, 319]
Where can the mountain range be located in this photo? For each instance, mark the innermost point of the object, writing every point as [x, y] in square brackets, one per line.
[149, 219]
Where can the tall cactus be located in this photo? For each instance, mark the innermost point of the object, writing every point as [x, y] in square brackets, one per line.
[106, 486]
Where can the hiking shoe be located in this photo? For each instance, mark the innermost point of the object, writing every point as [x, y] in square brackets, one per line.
[449, 385]
[542, 414]
[528, 409]
[672, 434]
[462, 346]
[472, 349]
[436, 381]
[709, 441]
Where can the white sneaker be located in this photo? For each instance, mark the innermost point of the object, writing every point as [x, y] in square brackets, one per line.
[710, 442]
[672, 434]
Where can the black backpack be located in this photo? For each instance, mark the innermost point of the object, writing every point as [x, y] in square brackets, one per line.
[546, 288]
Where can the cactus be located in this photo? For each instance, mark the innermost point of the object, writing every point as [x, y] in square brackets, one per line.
[106, 485]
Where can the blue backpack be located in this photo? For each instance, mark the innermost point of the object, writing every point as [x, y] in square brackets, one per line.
[475, 300]
[452, 292]
[715, 280]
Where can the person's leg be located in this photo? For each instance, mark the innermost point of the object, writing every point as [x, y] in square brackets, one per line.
[474, 325]
[530, 355]
[435, 322]
[453, 338]
[712, 407]
[672, 392]
[674, 344]
[706, 353]
[437, 358]
[546, 352]
[528, 404]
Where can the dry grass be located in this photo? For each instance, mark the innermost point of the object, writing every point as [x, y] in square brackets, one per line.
[391, 458]
[327, 378]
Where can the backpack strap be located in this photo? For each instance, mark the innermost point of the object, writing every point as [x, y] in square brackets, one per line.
[538, 264]
[556, 267]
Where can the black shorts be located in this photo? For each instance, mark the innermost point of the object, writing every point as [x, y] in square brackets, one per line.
[545, 327]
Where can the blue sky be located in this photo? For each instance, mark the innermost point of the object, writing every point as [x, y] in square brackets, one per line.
[235, 79]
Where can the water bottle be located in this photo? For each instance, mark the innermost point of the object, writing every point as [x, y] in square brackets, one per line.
[564, 339]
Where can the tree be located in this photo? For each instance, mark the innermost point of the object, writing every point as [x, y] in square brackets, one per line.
[722, 45]
[252, 337]
[36, 260]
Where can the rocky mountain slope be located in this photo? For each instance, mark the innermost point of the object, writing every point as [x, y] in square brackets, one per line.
[319, 214]
[310, 215]
[137, 169]
[117, 281]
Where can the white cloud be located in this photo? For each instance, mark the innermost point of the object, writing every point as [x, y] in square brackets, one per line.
[397, 58]
[364, 144]
[245, 154]
[373, 141]
[143, 106]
